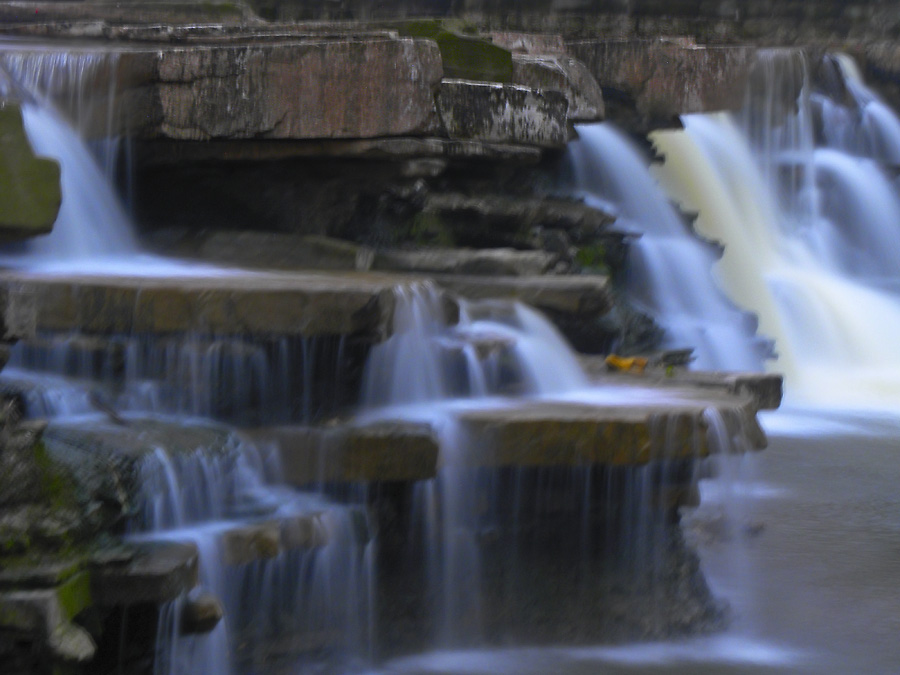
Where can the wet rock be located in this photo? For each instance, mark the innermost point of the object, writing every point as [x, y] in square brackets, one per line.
[257, 541]
[30, 192]
[201, 614]
[564, 74]
[503, 113]
[316, 89]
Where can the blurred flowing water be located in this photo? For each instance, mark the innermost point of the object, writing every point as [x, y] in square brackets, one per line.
[798, 189]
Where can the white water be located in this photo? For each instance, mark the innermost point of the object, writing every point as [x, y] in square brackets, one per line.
[668, 267]
[498, 357]
[93, 233]
[814, 258]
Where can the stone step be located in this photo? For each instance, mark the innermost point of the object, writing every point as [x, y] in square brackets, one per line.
[384, 451]
[635, 425]
[303, 304]
[269, 304]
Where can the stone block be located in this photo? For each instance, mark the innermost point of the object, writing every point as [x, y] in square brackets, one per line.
[360, 88]
[503, 113]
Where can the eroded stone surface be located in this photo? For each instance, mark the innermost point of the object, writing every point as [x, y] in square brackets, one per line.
[567, 75]
[664, 78]
[503, 113]
[322, 89]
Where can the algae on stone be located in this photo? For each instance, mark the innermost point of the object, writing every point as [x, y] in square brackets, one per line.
[462, 56]
[30, 192]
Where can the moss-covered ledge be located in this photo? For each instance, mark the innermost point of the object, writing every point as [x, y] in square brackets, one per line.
[30, 192]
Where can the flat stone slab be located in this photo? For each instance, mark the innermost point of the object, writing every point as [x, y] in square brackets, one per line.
[159, 572]
[765, 389]
[584, 294]
[618, 434]
[260, 303]
[620, 424]
[387, 451]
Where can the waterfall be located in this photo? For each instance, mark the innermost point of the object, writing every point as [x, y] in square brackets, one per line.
[482, 529]
[668, 267]
[61, 109]
[809, 223]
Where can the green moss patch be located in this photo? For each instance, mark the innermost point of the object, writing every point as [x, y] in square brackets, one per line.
[463, 56]
[30, 192]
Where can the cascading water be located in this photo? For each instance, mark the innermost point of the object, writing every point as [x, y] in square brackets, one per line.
[668, 267]
[479, 526]
[93, 231]
[809, 224]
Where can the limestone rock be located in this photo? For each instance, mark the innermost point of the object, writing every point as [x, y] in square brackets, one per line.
[564, 74]
[310, 89]
[503, 113]
[30, 193]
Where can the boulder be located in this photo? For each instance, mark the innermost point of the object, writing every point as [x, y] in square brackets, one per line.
[503, 113]
[201, 613]
[30, 192]
[564, 74]
[338, 88]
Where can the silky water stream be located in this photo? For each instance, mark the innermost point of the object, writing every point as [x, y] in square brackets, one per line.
[469, 525]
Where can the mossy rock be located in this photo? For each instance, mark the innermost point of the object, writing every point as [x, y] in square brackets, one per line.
[464, 57]
[30, 192]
